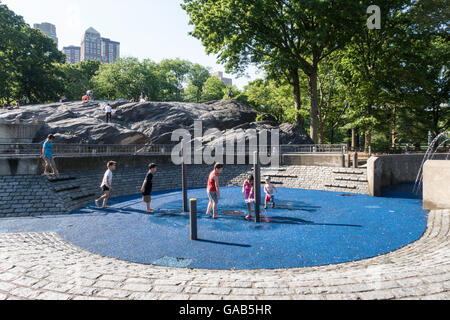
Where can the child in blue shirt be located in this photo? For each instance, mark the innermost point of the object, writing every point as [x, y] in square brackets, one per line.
[47, 155]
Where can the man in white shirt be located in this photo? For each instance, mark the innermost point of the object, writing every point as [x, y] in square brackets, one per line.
[108, 112]
[106, 184]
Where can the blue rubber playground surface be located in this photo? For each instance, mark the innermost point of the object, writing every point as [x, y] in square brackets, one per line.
[306, 228]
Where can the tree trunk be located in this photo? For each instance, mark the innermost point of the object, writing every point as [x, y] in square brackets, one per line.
[314, 108]
[357, 142]
[321, 133]
[297, 96]
[349, 139]
[394, 126]
[436, 120]
[368, 136]
[354, 139]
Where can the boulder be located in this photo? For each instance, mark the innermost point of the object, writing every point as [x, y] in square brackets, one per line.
[145, 123]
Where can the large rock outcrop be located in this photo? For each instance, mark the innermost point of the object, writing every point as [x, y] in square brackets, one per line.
[144, 123]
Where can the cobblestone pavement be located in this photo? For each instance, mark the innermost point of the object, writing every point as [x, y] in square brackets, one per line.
[43, 266]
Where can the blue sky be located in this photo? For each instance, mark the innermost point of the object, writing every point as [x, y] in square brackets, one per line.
[154, 29]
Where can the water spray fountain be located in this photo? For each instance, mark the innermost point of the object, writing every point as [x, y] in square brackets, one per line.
[440, 140]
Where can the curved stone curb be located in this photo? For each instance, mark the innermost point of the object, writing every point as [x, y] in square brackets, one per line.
[43, 266]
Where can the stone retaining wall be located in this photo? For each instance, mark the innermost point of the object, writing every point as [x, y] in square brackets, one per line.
[318, 159]
[16, 132]
[436, 185]
[389, 170]
[20, 165]
[28, 195]
[39, 195]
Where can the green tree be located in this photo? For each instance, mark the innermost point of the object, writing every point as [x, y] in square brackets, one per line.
[398, 75]
[175, 73]
[127, 78]
[29, 61]
[281, 34]
[78, 78]
[196, 78]
[270, 97]
[213, 89]
[75, 82]
[11, 27]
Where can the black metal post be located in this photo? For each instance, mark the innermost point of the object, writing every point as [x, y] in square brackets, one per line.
[184, 187]
[257, 186]
[193, 219]
[355, 159]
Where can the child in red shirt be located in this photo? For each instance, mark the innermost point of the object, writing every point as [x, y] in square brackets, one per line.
[213, 190]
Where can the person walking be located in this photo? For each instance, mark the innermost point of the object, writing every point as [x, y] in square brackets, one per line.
[108, 110]
[106, 185]
[213, 190]
[47, 155]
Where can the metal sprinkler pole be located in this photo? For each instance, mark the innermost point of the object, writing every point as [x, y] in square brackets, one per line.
[257, 186]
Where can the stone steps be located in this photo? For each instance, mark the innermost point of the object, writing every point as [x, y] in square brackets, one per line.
[82, 195]
[273, 169]
[341, 186]
[359, 172]
[351, 179]
[283, 176]
[52, 179]
[273, 182]
[356, 176]
[66, 188]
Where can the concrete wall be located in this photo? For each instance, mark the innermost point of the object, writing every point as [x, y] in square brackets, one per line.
[18, 132]
[326, 160]
[24, 195]
[28, 196]
[34, 166]
[391, 170]
[436, 185]
[12, 167]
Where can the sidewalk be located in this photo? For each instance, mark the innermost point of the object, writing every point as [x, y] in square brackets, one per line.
[43, 266]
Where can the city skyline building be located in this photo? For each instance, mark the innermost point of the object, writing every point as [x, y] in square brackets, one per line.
[91, 45]
[48, 29]
[110, 50]
[73, 54]
[94, 47]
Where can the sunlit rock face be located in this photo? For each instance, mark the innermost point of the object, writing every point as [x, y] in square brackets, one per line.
[145, 123]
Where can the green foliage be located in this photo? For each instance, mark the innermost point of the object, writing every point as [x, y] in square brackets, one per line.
[127, 78]
[213, 89]
[174, 74]
[197, 77]
[165, 81]
[28, 61]
[77, 78]
[282, 36]
[323, 67]
[269, 97]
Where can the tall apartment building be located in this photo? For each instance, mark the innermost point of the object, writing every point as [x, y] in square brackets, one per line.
[73, 54]
[228, 82]
[94, 47]
[91, 45]
[48, 29]
[110, 50]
